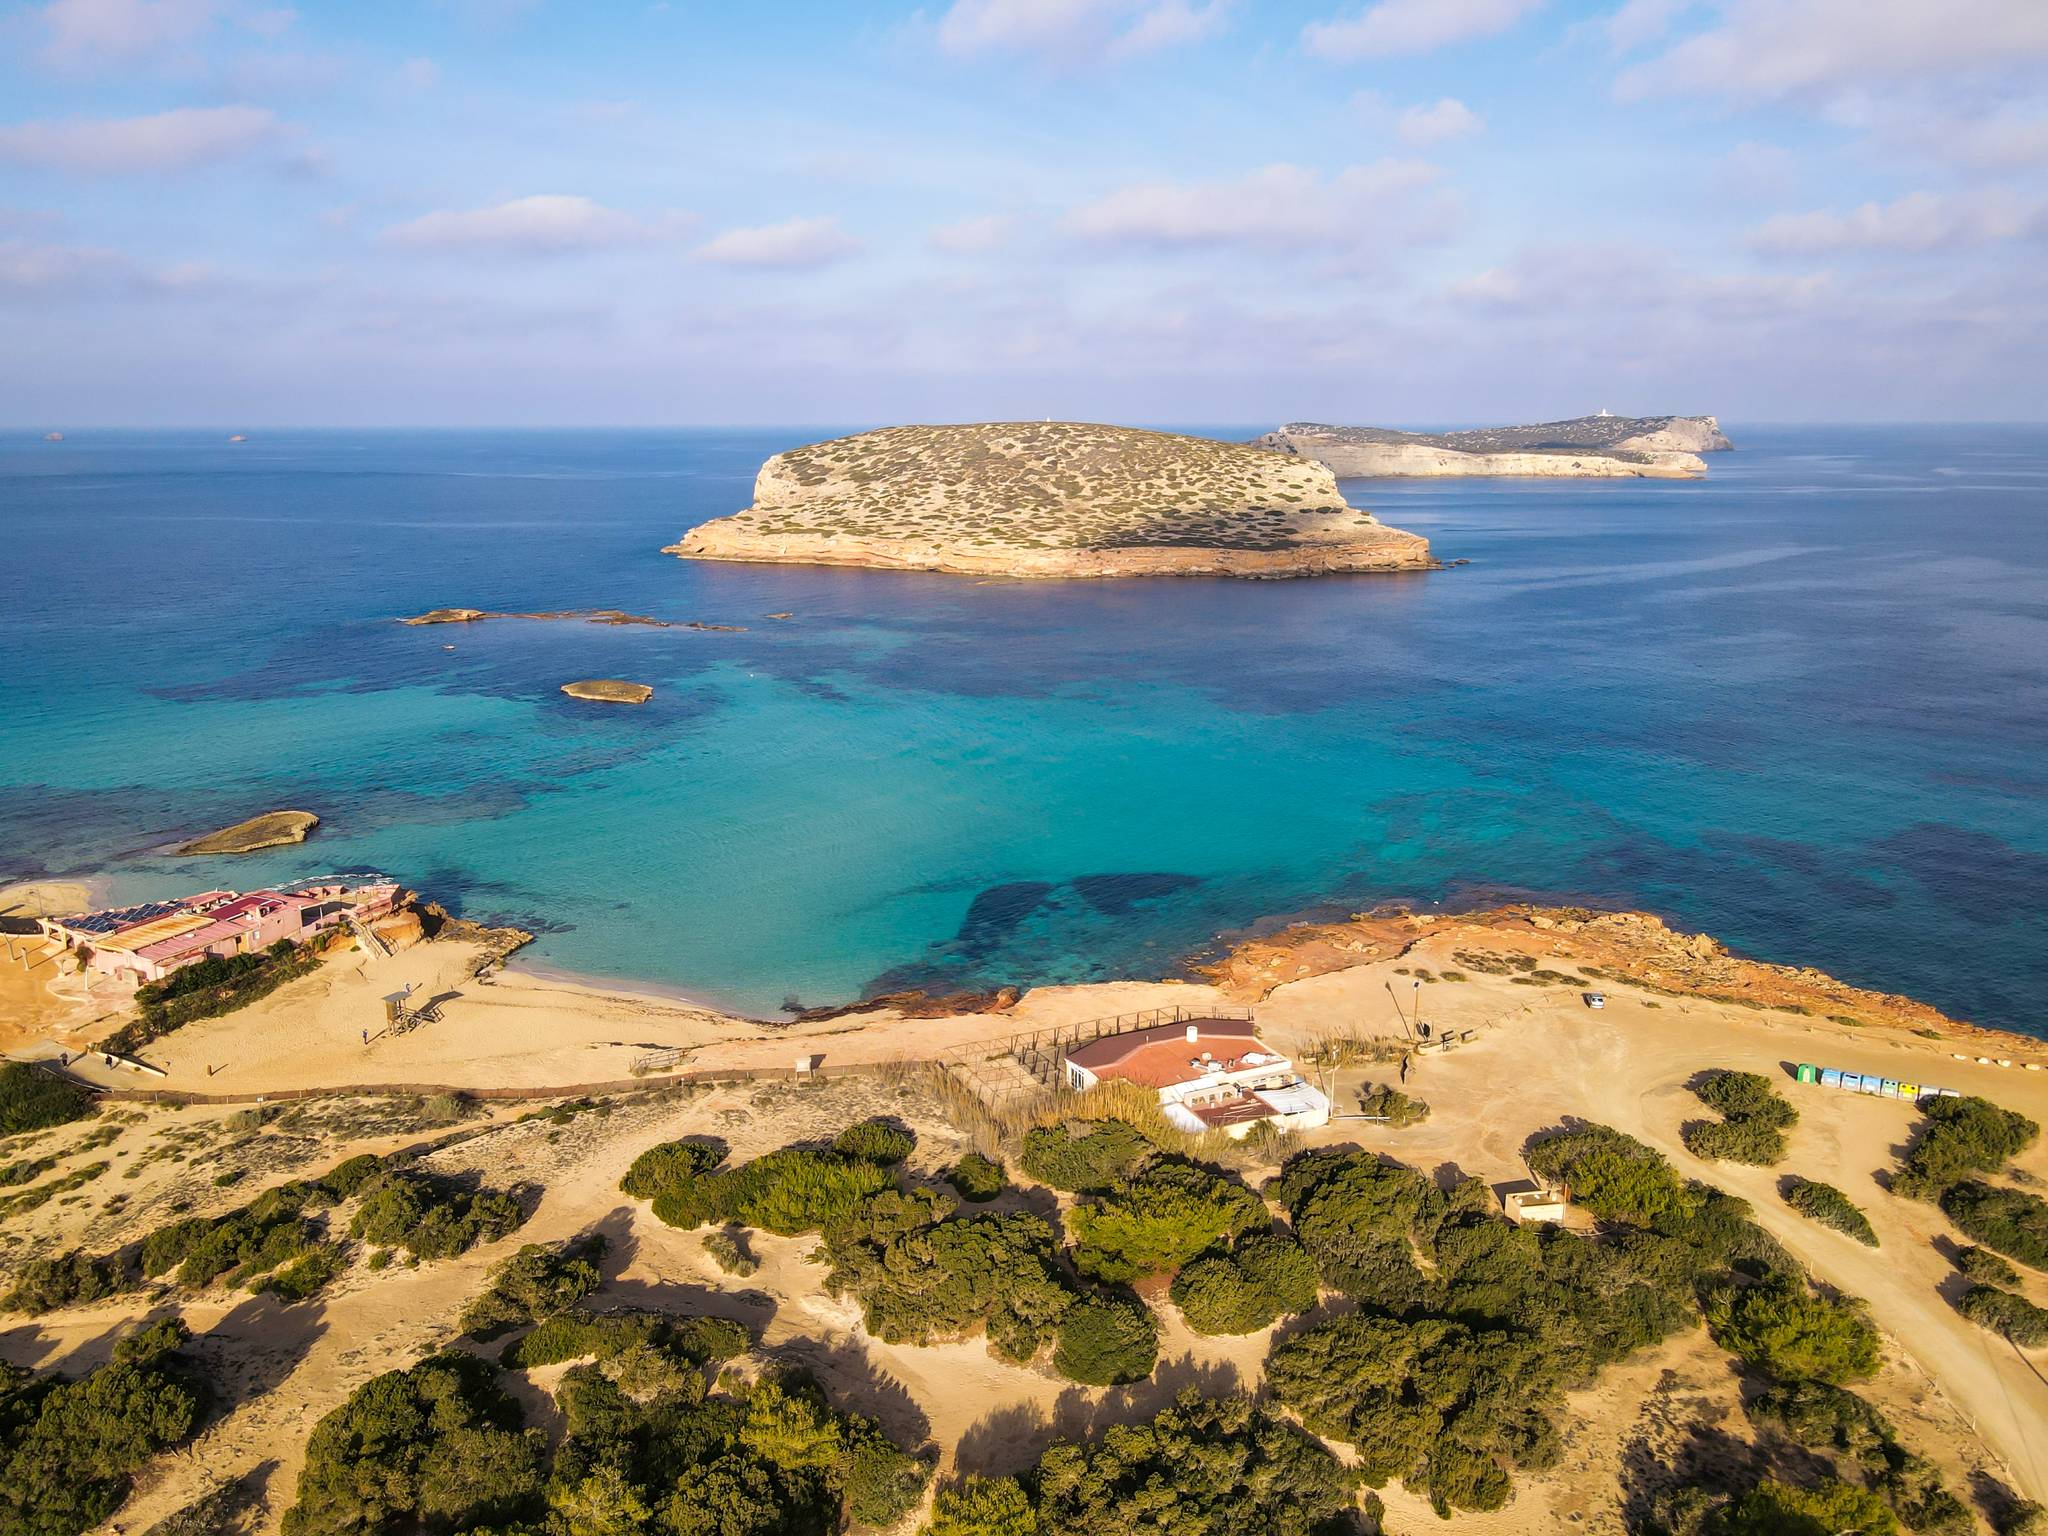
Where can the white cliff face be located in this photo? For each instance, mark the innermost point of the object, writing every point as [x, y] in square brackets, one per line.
[1601, 447]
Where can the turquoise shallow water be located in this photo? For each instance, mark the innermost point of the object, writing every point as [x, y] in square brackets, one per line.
[1802, 704]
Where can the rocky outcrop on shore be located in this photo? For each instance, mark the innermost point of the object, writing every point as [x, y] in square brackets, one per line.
[1634, 947]
[1596, 447]
[609, 690]
[1052, 499]
[273, 829]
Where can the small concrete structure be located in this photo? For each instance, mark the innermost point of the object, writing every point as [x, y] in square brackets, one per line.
[1210, 1074]
[1528, 1203]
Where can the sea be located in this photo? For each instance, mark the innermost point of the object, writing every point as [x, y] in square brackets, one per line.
[1801, 704]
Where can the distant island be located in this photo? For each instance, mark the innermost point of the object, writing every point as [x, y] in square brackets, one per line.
[1642, 447]
[1052, 499]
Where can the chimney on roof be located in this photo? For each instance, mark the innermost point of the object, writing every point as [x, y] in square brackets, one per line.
[1194, 1034]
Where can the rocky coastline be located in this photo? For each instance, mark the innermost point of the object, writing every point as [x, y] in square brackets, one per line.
[1587, 447]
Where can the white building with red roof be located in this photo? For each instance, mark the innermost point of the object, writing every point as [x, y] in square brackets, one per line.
[1210, 1074]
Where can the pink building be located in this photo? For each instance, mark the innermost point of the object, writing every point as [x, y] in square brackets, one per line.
[147, 942]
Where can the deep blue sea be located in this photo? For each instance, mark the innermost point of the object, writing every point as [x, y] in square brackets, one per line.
[1802, 704]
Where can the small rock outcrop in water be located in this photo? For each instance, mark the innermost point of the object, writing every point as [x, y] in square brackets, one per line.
[1641, 447]
[587, 615]
[609, 690]
[273, 829]
[1052, 499]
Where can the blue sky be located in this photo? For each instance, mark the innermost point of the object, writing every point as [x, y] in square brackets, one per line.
[1401, 211]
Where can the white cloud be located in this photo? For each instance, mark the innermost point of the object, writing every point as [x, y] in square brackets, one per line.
[124, 29]
[1760, 49]
[168, 141]
[540, 225]
[2012, 137]
[1078, 29]
[793, 243]
[1396, 27]
[1919, 221]
[33, 267]
[1754, 171]
[1567, 283]
[1641, 22]
[419, 74]
[1435, 124]
[968, 237]
[1278, 206]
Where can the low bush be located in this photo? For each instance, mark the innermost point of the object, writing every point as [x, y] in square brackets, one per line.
[2006, 1312]
[2014, 1222]
[537, 1282]
[601, 1336]
[42, 1285]
[789, 1192]
[1246, 1288]
[875, 1141]
[70, 1447]
[1105, 1341]
[1962, 1136]
[32, 1099]
[1985, 1267]
[304, 1276]
[1753, 1123]
[1831, 1208]
[1084, 1156]
[438, 1446]
[1787, 1330]
[1158, 1218]
[1390, 1104]
[431, 1217]
[1611, 1174]
[727, 1253]
[1843, 1427]
[976, 1177]
[922, 1277]
[983, 1506]
[1736, 1141]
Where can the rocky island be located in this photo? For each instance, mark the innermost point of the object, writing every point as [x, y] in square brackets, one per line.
[273, 829]
[1640, 447]
[609, 690]
[1052, 499]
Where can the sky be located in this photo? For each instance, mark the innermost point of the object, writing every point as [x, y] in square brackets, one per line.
[1399, 212]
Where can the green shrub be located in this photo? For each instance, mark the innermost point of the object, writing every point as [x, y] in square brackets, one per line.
[1389, 1103]
[32, 1099]
[210, 988]
[976, 1177]
[1611, 1174]
[728, 1255]
[2012, 1221]
[1157, 1219]
[1266, 1276]
[1084, 1156]
[1736, 1141]
[789, 1192]
[42, 1285]
[69, 1448]
[1785, 1329]
[1839, 1424]
[1105, 1341]
[1746, 1096]
[583, 1335]
[1962, 1136]
[875, 1141]
[303, 1276]
[1828, 1509]
[1831, 1208]
[983, 1506]
[2006, 1312]
[439, 1446]
[431, 1217]
[1985, 1267]
[922, 1278]
[537, 1282]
